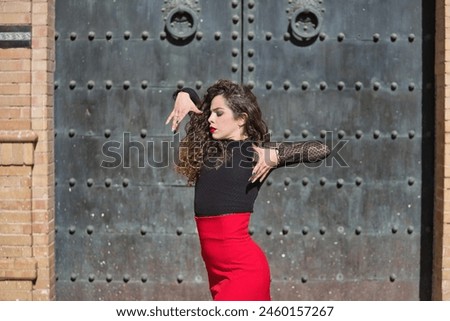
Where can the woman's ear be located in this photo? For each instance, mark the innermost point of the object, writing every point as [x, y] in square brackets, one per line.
[242, 120]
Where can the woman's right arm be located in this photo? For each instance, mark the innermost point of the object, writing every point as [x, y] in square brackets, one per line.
[186, 100]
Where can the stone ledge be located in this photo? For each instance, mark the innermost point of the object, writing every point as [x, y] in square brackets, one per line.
[18, 269]
[18, 136]
[17, 147]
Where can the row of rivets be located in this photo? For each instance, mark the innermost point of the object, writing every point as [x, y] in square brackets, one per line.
[323, 181]
[287, 85]
[250, 36]
[90, 230]
[109, 278]
[234, 35]
[90, 182]
[287, 133]
[340, 85]
[108, 35]
[180, 278]
[358, 134]
[323, 36]
[322, 230]
[108, 84]
[269, 181]
[339, 277]
[144, 230]
[127, 35]
[236, 17]
[409, 229]
[323, 85]
[341, 37]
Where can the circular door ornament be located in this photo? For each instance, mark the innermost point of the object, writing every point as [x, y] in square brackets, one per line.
[306, 23]
[181, 23]
[305, 19]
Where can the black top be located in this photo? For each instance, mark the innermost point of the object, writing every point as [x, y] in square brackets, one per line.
[227, 189]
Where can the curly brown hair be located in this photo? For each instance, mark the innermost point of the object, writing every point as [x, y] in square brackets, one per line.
[198, 144]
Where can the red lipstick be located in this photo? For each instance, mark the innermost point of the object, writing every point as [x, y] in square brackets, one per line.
[212, 130]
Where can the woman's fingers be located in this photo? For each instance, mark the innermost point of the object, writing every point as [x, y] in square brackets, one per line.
[175, 121]
[260, 174]
[169, 118]
[183, 105]
[177, 118]
[260, 169]
[172, 118]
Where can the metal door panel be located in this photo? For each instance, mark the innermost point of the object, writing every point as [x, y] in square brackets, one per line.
[122, 272]
[357, 227]
[106, 209]
[359, 81]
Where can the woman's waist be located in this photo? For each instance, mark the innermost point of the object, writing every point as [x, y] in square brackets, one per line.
[226, 227]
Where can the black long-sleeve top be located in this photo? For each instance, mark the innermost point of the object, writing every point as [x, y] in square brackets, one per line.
[227, 189]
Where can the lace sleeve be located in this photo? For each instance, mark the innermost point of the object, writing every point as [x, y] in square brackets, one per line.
[301, 152]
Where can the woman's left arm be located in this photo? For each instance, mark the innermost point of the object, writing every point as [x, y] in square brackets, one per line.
[301, 152]
[273, 155]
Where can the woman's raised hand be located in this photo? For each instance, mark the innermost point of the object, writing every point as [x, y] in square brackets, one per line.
[183, 105]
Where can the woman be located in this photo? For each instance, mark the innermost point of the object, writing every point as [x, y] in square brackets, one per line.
[227, 155]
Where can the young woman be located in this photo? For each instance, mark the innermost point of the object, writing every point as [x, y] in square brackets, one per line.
[227, 155]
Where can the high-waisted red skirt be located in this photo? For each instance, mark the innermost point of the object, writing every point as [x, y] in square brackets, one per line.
[237, 268]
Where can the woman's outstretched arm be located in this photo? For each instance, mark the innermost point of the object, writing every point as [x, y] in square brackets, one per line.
[301, 152]
[273, 155]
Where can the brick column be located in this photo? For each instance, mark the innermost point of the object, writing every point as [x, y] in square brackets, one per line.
[441, 250]
[43, 198]
[27, 255]
[18, 267]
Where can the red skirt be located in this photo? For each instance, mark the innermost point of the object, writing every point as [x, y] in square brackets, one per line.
[237, 268]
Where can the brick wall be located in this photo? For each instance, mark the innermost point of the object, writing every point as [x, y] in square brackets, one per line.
[441, 262]
[26, 155]
[43, 183]
[18, 268]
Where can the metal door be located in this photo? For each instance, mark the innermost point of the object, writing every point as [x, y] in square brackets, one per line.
[357, 74]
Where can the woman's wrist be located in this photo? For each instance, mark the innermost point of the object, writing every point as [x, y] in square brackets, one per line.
[280, 154]
[191, 92]
[274, 157]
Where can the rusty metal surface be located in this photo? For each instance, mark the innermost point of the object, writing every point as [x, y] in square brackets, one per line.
[349, 72]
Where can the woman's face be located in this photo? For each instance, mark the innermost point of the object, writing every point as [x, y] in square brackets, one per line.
[222, 122]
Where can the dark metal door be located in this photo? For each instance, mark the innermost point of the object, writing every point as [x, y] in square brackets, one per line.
[357, 74]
